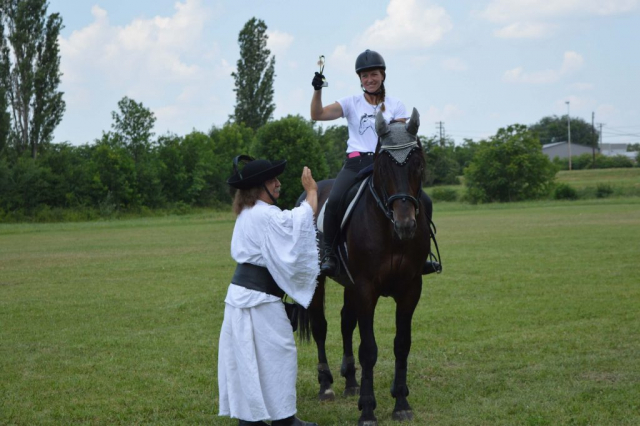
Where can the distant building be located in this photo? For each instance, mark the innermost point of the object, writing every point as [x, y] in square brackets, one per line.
[613, 149]
[561, 150]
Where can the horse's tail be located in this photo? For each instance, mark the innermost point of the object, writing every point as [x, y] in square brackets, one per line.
[304, 325]
[304, 315]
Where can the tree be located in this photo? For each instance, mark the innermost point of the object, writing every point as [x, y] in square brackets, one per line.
[555, 129]
[254, 77]
[133, 128]
[293, 139]
[5, 121]
[510, 166]
[30, 71]
[134, 124]
[442, 166]
[334, 144]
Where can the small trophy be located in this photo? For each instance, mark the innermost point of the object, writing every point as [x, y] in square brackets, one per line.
[321, 65]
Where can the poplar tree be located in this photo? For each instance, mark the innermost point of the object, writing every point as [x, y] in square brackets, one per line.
[30, 71]
[254, 77]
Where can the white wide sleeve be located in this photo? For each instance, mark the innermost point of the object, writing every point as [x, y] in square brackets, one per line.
[291, 253]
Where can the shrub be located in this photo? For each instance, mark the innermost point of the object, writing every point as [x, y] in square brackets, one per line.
[603, 190]
[562, 191]
[510, 166]
[444, 194]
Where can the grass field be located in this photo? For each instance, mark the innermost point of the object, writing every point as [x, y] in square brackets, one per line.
[534, 321]
[622, 182]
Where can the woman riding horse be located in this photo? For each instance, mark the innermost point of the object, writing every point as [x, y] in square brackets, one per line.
[387, 241]
[360, 112]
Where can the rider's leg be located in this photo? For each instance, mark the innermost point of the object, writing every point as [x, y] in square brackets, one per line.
[345, 179]
[430, 266]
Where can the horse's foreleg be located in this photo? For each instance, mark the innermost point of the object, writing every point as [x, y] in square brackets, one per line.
[368, 355]
[319, 332]
[405, 307]
[349, 320]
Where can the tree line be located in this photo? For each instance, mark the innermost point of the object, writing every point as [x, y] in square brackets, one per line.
[129, 169]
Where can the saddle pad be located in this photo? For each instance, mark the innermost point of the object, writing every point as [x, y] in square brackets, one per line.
[320, 222]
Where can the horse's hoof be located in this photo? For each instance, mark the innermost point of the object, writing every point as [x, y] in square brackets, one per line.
[402, 416]
[328, 395]
[367, 422]
[351, 391]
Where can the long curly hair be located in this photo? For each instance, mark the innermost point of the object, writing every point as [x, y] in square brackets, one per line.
[246, 198]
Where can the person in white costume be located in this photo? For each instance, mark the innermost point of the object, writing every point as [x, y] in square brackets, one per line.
[276, 254]
[360, 111]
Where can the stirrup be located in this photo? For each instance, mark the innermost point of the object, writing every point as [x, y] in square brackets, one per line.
[430, 267]
[329, 263]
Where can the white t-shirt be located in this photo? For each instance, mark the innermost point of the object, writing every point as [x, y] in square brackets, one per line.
[361, 120]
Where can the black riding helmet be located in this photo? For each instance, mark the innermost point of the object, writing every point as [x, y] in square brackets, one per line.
[368, 60]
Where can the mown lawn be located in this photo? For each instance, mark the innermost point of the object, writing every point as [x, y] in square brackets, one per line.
[533, 322]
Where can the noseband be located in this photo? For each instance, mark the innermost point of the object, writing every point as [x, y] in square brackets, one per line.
[385, 202]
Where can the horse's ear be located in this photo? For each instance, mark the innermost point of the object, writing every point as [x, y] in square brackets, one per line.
[414, 123]
[382, 127]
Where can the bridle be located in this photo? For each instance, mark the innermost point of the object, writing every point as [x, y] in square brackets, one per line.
[385, 202]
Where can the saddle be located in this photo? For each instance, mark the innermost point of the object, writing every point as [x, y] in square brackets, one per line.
[349, 200]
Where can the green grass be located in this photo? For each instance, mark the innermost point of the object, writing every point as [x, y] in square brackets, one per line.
[534, 321]
[622, 182]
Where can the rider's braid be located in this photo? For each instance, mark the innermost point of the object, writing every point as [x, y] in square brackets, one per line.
[382, 91]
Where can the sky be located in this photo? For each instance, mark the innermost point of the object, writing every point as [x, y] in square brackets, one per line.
[472, 67]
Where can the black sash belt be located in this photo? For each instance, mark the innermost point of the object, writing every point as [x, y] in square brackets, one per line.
[257, 278]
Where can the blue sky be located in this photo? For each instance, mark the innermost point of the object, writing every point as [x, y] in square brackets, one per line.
[476, 66]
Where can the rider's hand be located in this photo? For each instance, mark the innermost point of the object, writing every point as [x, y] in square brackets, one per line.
[317, 81]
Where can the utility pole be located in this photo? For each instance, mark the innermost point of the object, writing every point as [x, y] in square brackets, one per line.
[600, 136]
[441, 132]
[569, 130]
[593, 137]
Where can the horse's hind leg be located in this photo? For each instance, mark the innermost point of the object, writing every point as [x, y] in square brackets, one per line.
[405, 306]
[349, 320]
[368, 356]
[319, 332]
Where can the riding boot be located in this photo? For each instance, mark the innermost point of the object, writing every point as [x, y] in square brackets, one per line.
[292, 421]
[329, 263]
[248, 423]
[431, 266]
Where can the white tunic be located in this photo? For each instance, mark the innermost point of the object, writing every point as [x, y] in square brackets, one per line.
[257, 359]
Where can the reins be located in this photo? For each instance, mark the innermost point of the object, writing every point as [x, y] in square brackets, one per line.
[386, 202]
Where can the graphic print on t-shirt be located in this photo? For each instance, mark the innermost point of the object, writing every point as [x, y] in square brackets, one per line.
[367, 121]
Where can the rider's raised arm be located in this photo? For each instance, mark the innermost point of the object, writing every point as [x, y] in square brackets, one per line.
[319, 113]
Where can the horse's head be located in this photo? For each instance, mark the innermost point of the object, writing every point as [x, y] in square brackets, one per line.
[398, 170]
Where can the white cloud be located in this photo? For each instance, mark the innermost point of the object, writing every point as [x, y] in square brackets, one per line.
[278, 42]
[342, 59]
[524, 30]
[581, 87]
[164, 62]
[454, 64]
[446, 113]
[409, 24]
[506, 11]
[571, 63]
[531, 18]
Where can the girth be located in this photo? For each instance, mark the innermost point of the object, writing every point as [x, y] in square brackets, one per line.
[256, 278]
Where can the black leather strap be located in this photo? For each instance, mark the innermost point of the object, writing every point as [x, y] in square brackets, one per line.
[257, 278]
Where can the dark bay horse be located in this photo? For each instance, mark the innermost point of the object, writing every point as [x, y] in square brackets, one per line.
[387, 241]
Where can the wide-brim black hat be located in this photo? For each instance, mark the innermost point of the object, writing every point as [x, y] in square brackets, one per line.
[255, 172]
